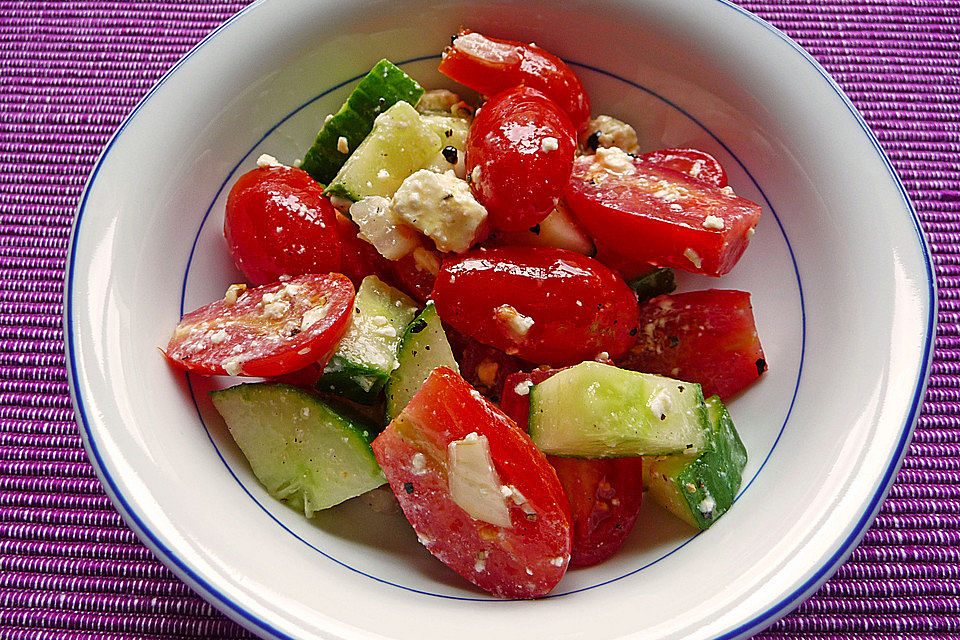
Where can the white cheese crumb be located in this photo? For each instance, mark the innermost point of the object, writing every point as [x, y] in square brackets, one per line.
[311, 316]
[693, 257]
[615, 160]
[275, 310]
[388, 331]
[610, 132]
[380, 321]
[266, 160]
[558, 561]
[661, 404]
[473, 482]
[603, 355]
[219, 337]
[297, 163]
[442, 207]
[328, 118]
[516, 323]
[696, 168]
[523, 388]
[707, 505]
[291, 289]
[713, 222]
[383, 174]
[475, 174]
[234, 292]
[342, 145]
[728, 190]
[232, 366]
[549, 144]
[750, 232]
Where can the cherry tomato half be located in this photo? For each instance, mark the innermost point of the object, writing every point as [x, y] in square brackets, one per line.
[268, 331]
[526, 554]
[278, 222]
[538, 303]
[491, 65]
[518, 157]
[697, 164]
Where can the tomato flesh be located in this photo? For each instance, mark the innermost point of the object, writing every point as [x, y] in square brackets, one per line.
[650, 213]
[697, 164]
[604, 495]
[272, 330]
[278, 222]
[523, 560]
[491, 65]
[708, 337]
[518, 157]
[537, 303]
[481, 365]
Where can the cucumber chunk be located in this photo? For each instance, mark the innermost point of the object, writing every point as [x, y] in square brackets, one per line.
[399, 144]
[594, 410]
[379, 90]
[304, 453]
[700, 490]
[424, 347]
[656, 283]
[367, 354]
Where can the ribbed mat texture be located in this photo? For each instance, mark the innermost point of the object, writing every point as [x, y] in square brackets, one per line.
[71, 70]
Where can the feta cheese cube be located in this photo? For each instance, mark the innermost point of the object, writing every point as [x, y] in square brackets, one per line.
[442, 207]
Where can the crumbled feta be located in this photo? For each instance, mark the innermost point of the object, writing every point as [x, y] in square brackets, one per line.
[474, 484]
[713, 222]
[442, 207]
[549, 144]
[728, 190]
[311, 316]
[383, 174]
[425, 260]
[232, 366]
[615, 160]
[558, 561]
[696, 168]
[750, 232]
[381, 228]
[234, 292]
[297, 163]
[475, 174]
[380, 321]
[609, 132]
[219, 337]
[328, 118]
[275, 310]
[342, 145]
[603, 355]
[523, 388]
[707, 505]
[693, 257]
[388, 331]
[660, 404]
[516, 323]
[266, 160]
[437, 101]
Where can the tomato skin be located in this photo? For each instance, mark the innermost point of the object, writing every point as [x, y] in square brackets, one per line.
[271, 342]
[655, 214]
[278, 222]
[604, 495]
[708, 337]
[519, 155]
[490, 65]
[525, 560]
[573, 307]
[361, 259]
[697, 164]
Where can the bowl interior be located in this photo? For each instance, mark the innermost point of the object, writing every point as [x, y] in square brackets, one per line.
[825, 428]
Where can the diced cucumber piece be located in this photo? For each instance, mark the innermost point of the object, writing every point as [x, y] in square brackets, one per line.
[367, 354]
[379, 90]
[700, 490]
[453, 132]
[656, 283]
[424, 347]
[595, 410]
[399, 144]
[305, 453]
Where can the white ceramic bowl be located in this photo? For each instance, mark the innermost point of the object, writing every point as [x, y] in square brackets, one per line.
[842, 289]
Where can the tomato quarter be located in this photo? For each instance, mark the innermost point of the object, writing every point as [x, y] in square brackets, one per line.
[697, 164]
[538, 303]
[268, 331]
[278, 222]
[518, 157]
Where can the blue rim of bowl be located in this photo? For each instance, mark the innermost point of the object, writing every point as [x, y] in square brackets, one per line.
[254, 623]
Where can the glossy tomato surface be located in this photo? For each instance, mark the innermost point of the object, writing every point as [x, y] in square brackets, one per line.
[278, 222]
[708, 337]
[272, 330]
[697, 164]
[540, 304]
[647, 212]
[518, 157]
[491, 65]
[523, 560]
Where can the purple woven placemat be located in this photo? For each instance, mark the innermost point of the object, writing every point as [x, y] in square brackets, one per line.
[70, 71]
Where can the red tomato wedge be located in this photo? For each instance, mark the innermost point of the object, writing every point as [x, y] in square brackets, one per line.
[526, 553]
[278, 222]
[537, 303]
[647, 212]
[518, 157]
[708, 337]
[697, 164]
[491, 65]
[268, 331]
[604, 495]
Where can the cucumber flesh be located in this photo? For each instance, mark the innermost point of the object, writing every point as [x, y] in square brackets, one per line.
[424, 347]
[595, 410]
[399, 144]
[379, 90]
[303, 452]
[367, 354]
[453, 132]
[700, 490]
[653, 284]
